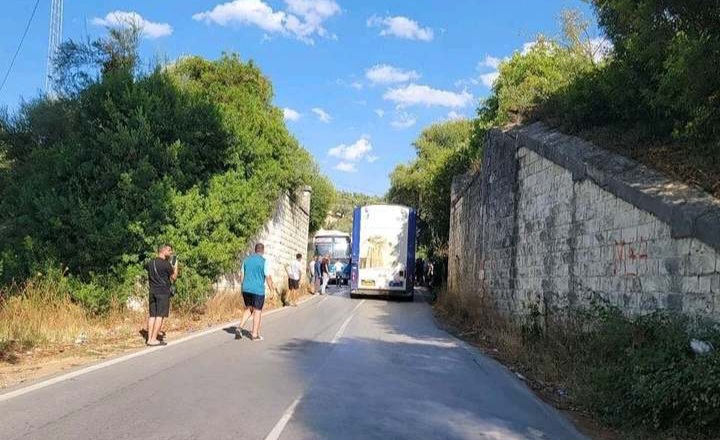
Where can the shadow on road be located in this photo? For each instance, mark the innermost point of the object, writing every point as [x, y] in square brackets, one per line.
[395, 375]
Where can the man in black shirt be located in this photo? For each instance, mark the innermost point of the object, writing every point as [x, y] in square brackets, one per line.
[161, 275]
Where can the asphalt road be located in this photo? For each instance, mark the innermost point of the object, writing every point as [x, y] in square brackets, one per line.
[332, 368]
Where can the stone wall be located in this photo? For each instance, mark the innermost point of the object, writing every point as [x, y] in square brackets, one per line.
[553, 222]
[284, 236]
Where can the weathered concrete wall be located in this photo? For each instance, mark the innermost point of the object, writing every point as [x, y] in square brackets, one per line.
[284, 236]
[553, 222]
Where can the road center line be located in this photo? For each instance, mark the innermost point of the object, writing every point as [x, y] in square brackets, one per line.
[280, 426]
[287, 415]
[342, 328]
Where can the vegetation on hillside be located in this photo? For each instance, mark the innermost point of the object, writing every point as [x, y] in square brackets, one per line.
[656, 98]
[443, 150]
[340, 215]
[122, 160]
[324, 199]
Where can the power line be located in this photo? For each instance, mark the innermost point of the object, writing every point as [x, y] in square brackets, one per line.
[22, 40]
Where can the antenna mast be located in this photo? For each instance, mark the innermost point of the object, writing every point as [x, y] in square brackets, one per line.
[54, 40]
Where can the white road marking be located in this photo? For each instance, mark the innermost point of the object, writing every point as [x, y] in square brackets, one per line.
[280, 425]
[287, 415]
[340, 331]
[90, 369]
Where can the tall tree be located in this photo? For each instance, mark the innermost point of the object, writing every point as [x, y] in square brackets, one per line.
[443, 151]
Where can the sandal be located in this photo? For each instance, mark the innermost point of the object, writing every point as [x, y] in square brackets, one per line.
[257, 338]
[158, 344]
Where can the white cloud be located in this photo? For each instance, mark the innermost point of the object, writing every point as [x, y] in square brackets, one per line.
[150, 29]
[385, 74]
[322, 115]
[302, 19]
[380, 112]
[601, 48]
[453, 116]
[357, 85]
[414, 94]
[488, 79]
[354, 152]
[346, 167]
[403, 120]
[401, 27]
[490, 62]
[527, 47]
[290, 114]
[372, 159]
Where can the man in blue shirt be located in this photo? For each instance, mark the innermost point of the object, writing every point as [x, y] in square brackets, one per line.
[255, 273]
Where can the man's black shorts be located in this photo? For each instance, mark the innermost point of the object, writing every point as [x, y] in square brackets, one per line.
[159, 305]
[254, 301]
[293, 284]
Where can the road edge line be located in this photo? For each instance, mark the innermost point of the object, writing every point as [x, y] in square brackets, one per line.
[141, 352]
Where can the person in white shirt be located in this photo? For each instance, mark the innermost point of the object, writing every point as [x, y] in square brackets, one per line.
[294, 271]
[338, 272]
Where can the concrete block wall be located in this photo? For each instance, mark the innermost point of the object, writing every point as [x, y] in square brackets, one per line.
[553, 222]
[284, 235]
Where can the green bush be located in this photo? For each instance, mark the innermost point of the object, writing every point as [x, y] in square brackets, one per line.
[344, 205]
[642, 372]
[443, 151]
[193, 154]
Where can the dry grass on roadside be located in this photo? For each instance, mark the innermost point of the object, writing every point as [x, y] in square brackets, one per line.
[40, 314]
[546, 360]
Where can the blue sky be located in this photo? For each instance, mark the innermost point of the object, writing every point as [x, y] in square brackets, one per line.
[359, 78]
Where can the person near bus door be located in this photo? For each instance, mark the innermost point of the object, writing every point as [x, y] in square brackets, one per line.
[317, 273]
[338, 272]
[325, 273]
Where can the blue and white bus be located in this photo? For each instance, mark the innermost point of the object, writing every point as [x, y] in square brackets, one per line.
[336, 245]
[383, 251]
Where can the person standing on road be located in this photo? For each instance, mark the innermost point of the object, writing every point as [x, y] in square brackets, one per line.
[295, 270]
[317, 269]
[430, 274]
[161, 275]
[419, 267]
[338, 272]
[311, 274]
[255, 274]
[325, 273]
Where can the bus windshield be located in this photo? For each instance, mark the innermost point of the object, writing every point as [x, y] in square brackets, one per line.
[337, 247]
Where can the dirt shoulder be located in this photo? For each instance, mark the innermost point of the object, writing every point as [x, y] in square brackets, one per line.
[18, 365]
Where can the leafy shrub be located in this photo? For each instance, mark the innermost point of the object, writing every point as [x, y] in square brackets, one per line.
[443, 151]
[193, 154]
[343, 206]
[642, 372]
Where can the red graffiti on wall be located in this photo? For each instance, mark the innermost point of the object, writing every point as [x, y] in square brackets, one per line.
[630, 258]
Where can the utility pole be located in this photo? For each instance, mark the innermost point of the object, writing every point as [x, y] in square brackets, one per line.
[54, 40]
